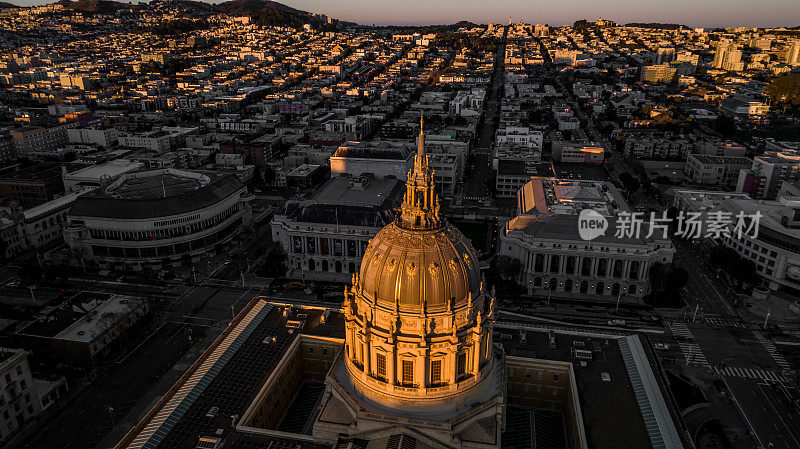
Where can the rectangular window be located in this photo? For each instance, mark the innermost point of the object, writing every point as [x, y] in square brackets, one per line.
[436, 371]
[461, 364]
[408, 372]
[380, 363]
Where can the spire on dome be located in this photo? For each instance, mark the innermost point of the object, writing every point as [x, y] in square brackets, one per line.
[421, 138]
[420, 209]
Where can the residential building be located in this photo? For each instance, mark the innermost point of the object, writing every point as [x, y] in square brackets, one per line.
[19, 402]
[768, 172]
[715, 170]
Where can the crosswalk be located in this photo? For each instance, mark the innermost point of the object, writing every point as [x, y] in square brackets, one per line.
[724, 322]
[773, 351]
[680, 329]
[749, 373]
[693, 354]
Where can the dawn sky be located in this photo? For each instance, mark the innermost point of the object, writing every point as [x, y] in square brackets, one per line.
[688, 12]
[709, 13]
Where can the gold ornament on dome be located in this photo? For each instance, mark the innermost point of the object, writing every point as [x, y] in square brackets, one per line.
[376, 260]
[390, 266]
[454, 266]
[433, 268]
[467, 262]
[411, 269]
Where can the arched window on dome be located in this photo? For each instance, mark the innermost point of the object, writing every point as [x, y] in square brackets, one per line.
[380, 366]
[461, 364]
[408, 372]
[436, 372]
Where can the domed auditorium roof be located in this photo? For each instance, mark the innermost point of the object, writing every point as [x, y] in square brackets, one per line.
[419, 258]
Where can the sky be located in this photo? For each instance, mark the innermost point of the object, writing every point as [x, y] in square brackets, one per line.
[707, 13]
[695, 13]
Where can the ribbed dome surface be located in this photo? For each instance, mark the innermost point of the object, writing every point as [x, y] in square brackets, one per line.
[414, 266]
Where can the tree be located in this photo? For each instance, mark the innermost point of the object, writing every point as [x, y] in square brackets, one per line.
[785, 90]
[725, 125]
[729, 261]
[630, 183]
[274, 262]
[508, 267]
[666, 282]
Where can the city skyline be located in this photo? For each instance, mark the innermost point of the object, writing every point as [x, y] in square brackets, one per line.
[714, 13]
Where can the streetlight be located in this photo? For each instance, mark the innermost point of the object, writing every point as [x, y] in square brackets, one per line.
[766, 319]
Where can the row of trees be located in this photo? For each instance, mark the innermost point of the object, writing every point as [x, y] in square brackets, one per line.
[666, 282]
[727, 260]
[785, 91]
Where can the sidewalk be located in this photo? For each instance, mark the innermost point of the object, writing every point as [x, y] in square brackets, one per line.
[778, 310]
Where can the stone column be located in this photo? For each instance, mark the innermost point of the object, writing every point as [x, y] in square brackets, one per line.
[391, 366]
[476, 353]
[367, 355]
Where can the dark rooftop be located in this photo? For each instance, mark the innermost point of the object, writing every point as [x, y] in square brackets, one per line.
[45, 171]
[142, 199]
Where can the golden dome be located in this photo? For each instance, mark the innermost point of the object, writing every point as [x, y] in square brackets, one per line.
[416, 267]
[420, 259]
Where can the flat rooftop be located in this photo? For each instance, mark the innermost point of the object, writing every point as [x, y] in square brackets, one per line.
[359, 201]
[231, 373]
[82, 317]
[45, 171]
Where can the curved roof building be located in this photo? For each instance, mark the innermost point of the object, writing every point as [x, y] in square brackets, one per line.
[156, 218]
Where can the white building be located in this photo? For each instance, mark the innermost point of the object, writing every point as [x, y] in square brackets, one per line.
[19, 402]
[521, 135]
[544, 238]
[155, 141]
[576, 153]
[107, 138]
[775, 250]
[95, 175]
[715, 170]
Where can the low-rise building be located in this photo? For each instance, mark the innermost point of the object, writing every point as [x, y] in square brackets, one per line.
[19, 402]
[768, 172]
[83, 329]
[578, 153]
[715, 170]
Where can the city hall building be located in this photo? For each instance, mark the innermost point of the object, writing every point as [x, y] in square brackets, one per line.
[156, 219]
[555, 259]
